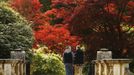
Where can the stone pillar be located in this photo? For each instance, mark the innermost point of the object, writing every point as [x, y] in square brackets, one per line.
[105, 65]
[7, 69]
[112, 67]
[1, 68]
[19, 54]
[12, 67]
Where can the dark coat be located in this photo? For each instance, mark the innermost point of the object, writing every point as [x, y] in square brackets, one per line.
[79, 57]
[68, 57]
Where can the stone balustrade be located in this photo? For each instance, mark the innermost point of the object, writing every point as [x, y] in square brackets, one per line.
[12, 67]
[112, 67]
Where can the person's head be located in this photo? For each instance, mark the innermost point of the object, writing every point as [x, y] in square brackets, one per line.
[77, 47]
[68, 49]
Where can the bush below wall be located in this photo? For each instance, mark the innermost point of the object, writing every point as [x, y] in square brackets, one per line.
[47, 64]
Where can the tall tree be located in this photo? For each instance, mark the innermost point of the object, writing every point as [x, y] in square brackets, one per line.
[50, 27]
[101, 25]
[15, 31]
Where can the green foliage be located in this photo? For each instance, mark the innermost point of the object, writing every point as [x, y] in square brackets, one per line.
[8, 15]
[15, 31]
[47, 64]
[60, 5]
[86, 67]
[56, 21]
[41, 49]
[46, 5]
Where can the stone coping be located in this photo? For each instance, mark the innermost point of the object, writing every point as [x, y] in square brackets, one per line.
[112, 61]
[11, 61]
[115, 59]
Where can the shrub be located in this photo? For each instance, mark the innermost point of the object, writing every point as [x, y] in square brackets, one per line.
[41, 49]
[15, 31]
[86, 67]
[47, 64]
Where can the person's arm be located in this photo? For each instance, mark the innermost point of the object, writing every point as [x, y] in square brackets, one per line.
[72, 57]
[63, 58]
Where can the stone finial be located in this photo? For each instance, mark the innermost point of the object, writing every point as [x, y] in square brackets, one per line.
[104, 53]
[18, 54]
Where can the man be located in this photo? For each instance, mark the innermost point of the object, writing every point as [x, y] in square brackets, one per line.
[68, 60]
[78, 60]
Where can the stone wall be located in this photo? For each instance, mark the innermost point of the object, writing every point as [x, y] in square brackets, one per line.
[12, 67]
[112, 67]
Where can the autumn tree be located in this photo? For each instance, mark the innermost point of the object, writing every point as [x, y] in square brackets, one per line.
[29, 9]
[50, 27]
[106, 23]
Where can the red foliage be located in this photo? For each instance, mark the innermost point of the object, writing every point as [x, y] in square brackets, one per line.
[67, 8]
[56, 38]
[124, 10]
[60, 9]
[80, 16]
[111, 8]
[30, 10]
[97, 13]
[128, 17]
[99, 24]
[27, 8]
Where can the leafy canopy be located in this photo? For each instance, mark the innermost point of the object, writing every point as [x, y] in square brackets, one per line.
[15, 31]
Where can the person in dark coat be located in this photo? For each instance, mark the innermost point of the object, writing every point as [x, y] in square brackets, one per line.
[68, 60]
[78, 60]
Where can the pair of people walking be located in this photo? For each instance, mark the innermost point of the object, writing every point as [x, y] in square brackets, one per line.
[73, 61]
